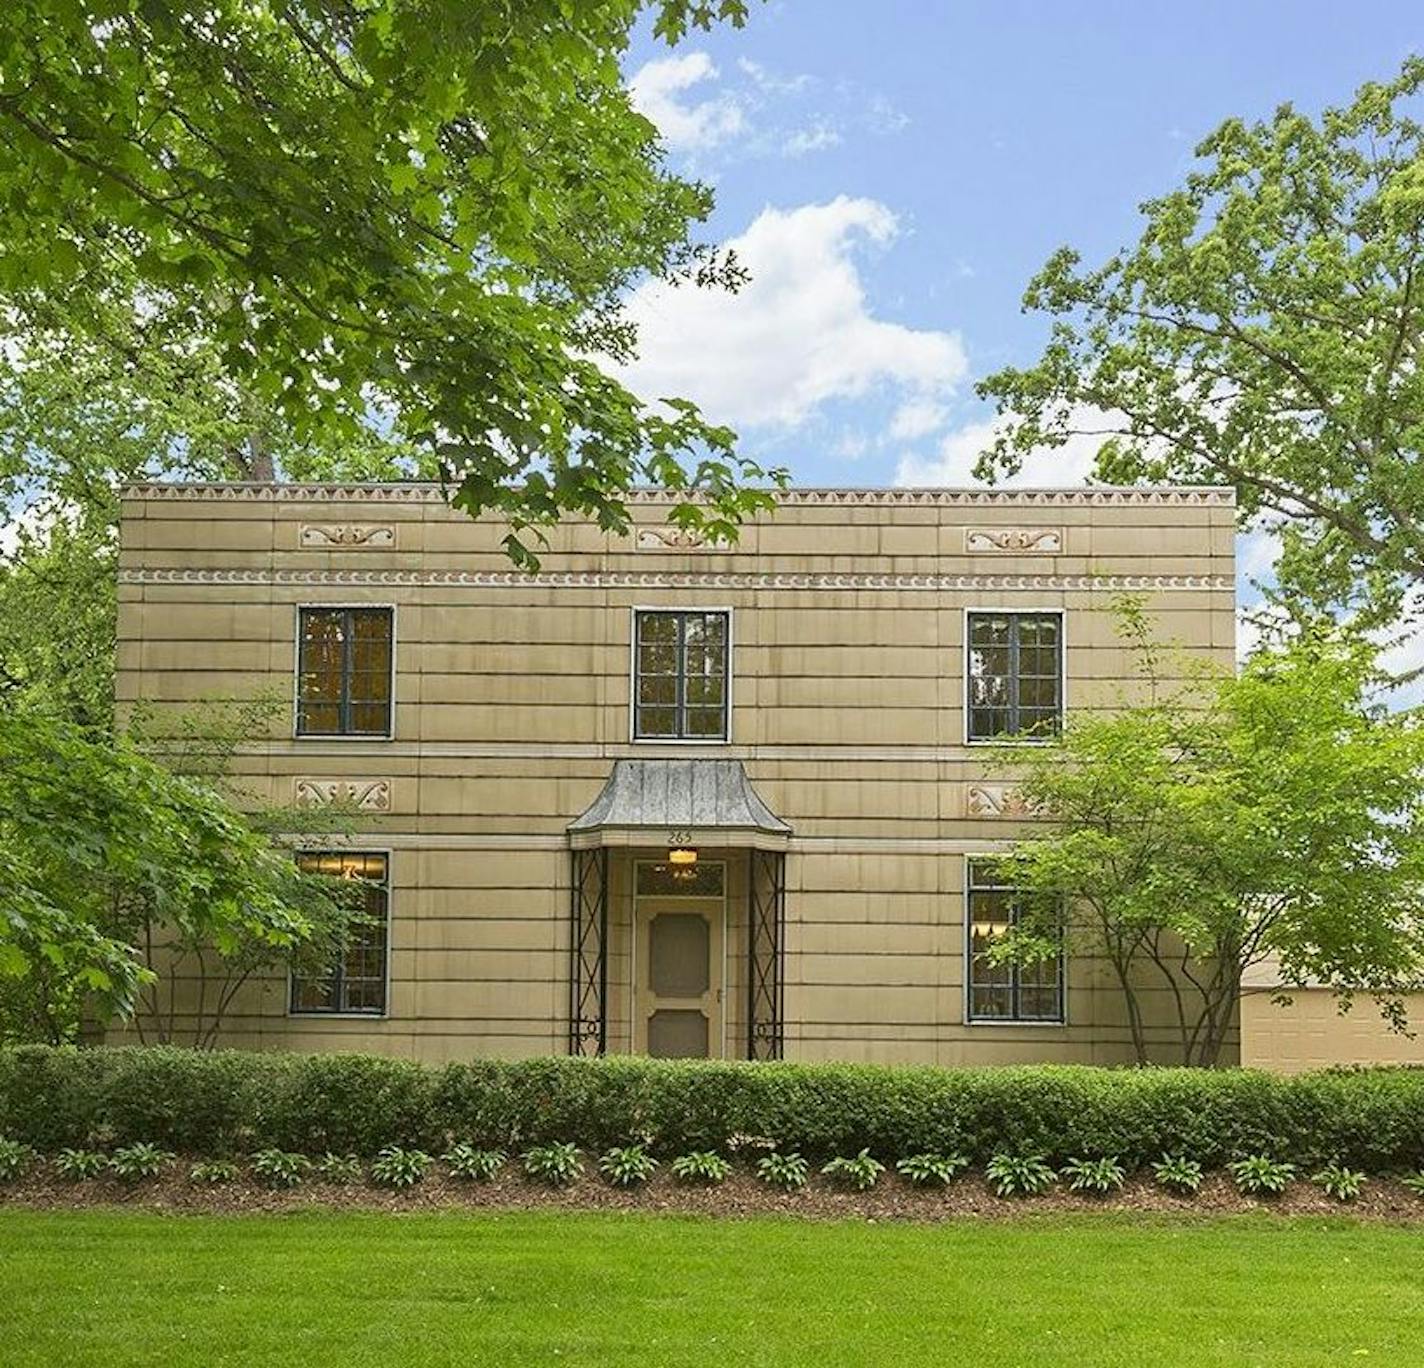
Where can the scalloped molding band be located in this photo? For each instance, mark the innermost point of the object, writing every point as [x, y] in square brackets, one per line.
[1089, 496]
[657, 579]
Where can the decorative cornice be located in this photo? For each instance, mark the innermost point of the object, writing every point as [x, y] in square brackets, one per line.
[670, 579]
[1015, 541]
[346, 536]
[1092, 496]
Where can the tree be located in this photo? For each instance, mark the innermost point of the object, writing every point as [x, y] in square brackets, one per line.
[1195, 834]
[103, 851]
[1264, 333]
[413, 217]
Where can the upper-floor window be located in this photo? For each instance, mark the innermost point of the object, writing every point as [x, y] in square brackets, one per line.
[344, 672]
[1005, 991]
[1015, 675]
[355, 982]
[680, 676]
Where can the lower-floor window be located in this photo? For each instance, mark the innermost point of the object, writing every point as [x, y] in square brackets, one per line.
[356, 981]
[1005, 991]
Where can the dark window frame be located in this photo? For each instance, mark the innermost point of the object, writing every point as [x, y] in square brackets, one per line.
[679, 706]
[337, 980]
[976, 867]
[1013, 706]
[345, 702]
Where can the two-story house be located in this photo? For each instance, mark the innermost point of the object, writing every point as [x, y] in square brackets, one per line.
[661, 796]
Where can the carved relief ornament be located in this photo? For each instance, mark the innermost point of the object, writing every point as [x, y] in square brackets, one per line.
[369, 795]
[346, 536]
[1015, 541]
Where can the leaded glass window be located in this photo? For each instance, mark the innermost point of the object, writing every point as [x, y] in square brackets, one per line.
[1005, 991]
[355, 984]
[1015, 675]
[680, 676]
[344, 672]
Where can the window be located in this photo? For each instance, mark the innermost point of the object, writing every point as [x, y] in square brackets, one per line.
[1015, 675]
[344, 672]
[1005, 992]
[680, 676]
[356, 983]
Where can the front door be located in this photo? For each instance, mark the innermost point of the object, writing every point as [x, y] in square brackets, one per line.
[678, 983]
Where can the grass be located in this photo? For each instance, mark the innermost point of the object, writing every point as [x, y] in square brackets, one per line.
[118, 1288]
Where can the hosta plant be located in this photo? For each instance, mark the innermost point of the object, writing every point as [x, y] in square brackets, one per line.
[1258, 1175]
[340, 1169]
[78, 1165]
[701, 1166]
[138, 1161]
[932, 1170]
[1099, 1176]
[473, 1164]
[1414, 1182]
[280, 1168]
[1178, 1174]
[557, 1164]
[788, 1171]
[860, 1172]
[625, 1165]
[395, 1167]
[15, 1159]
[1341, 1183]
[213, 1172]
[1019, 1175]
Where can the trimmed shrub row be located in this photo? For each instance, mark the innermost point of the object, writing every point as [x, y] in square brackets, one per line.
[225, 1102]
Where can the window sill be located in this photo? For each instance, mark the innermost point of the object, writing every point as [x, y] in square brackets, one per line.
[1000, 1021]
[338, 1016]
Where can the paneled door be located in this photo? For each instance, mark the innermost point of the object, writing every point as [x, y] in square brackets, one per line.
[679, 978]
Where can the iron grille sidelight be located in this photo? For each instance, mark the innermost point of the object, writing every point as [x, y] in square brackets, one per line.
[766, 953]
[588, 977]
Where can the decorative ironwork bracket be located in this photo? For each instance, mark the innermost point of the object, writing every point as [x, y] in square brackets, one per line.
[766, 953]
[588, 979]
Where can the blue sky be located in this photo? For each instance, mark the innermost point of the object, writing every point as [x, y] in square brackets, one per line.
[895, 172]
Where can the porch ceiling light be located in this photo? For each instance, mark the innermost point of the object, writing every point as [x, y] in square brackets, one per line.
[682, 857]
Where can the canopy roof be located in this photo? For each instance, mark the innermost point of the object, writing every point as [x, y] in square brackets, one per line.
[704, 802]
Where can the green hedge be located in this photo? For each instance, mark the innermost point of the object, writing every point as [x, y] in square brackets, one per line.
[230, 1101]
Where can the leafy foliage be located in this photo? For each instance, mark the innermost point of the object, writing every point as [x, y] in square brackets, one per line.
[1414, 1182]
[557, 1164]
[138, 1161]
[430, 213]
[1101, 1175]
[280, 1168]
[860, 1171]
[1341, 1183]
[627, 1165]
[1260, 1175]
[339, 1169]
[931, 1170]
[1019, 1175]
[15, 1158]
[78, 1165]
[214, 1172]
[702, 1166]
[395, 1167]
[473, 1164]
[1178, 1173]
[1278, 813]
[788, 1171]
[1264, 333]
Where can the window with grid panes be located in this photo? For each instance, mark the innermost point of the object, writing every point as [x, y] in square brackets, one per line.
[1005, 992]
[1015, 675]
[344, 672]
[680, 676]
[356, 981]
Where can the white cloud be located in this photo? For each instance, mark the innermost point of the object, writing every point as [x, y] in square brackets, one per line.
[953, 461]
[917, 418]
[657, 89]
[814, 139]
[799, 335]
[773, 82]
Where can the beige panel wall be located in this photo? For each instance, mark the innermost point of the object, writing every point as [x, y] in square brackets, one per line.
[1312, 1033]
[848, 616]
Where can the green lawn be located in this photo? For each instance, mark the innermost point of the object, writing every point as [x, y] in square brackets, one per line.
[117, 1288]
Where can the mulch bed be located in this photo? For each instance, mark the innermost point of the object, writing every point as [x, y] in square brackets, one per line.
[741, 1195]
